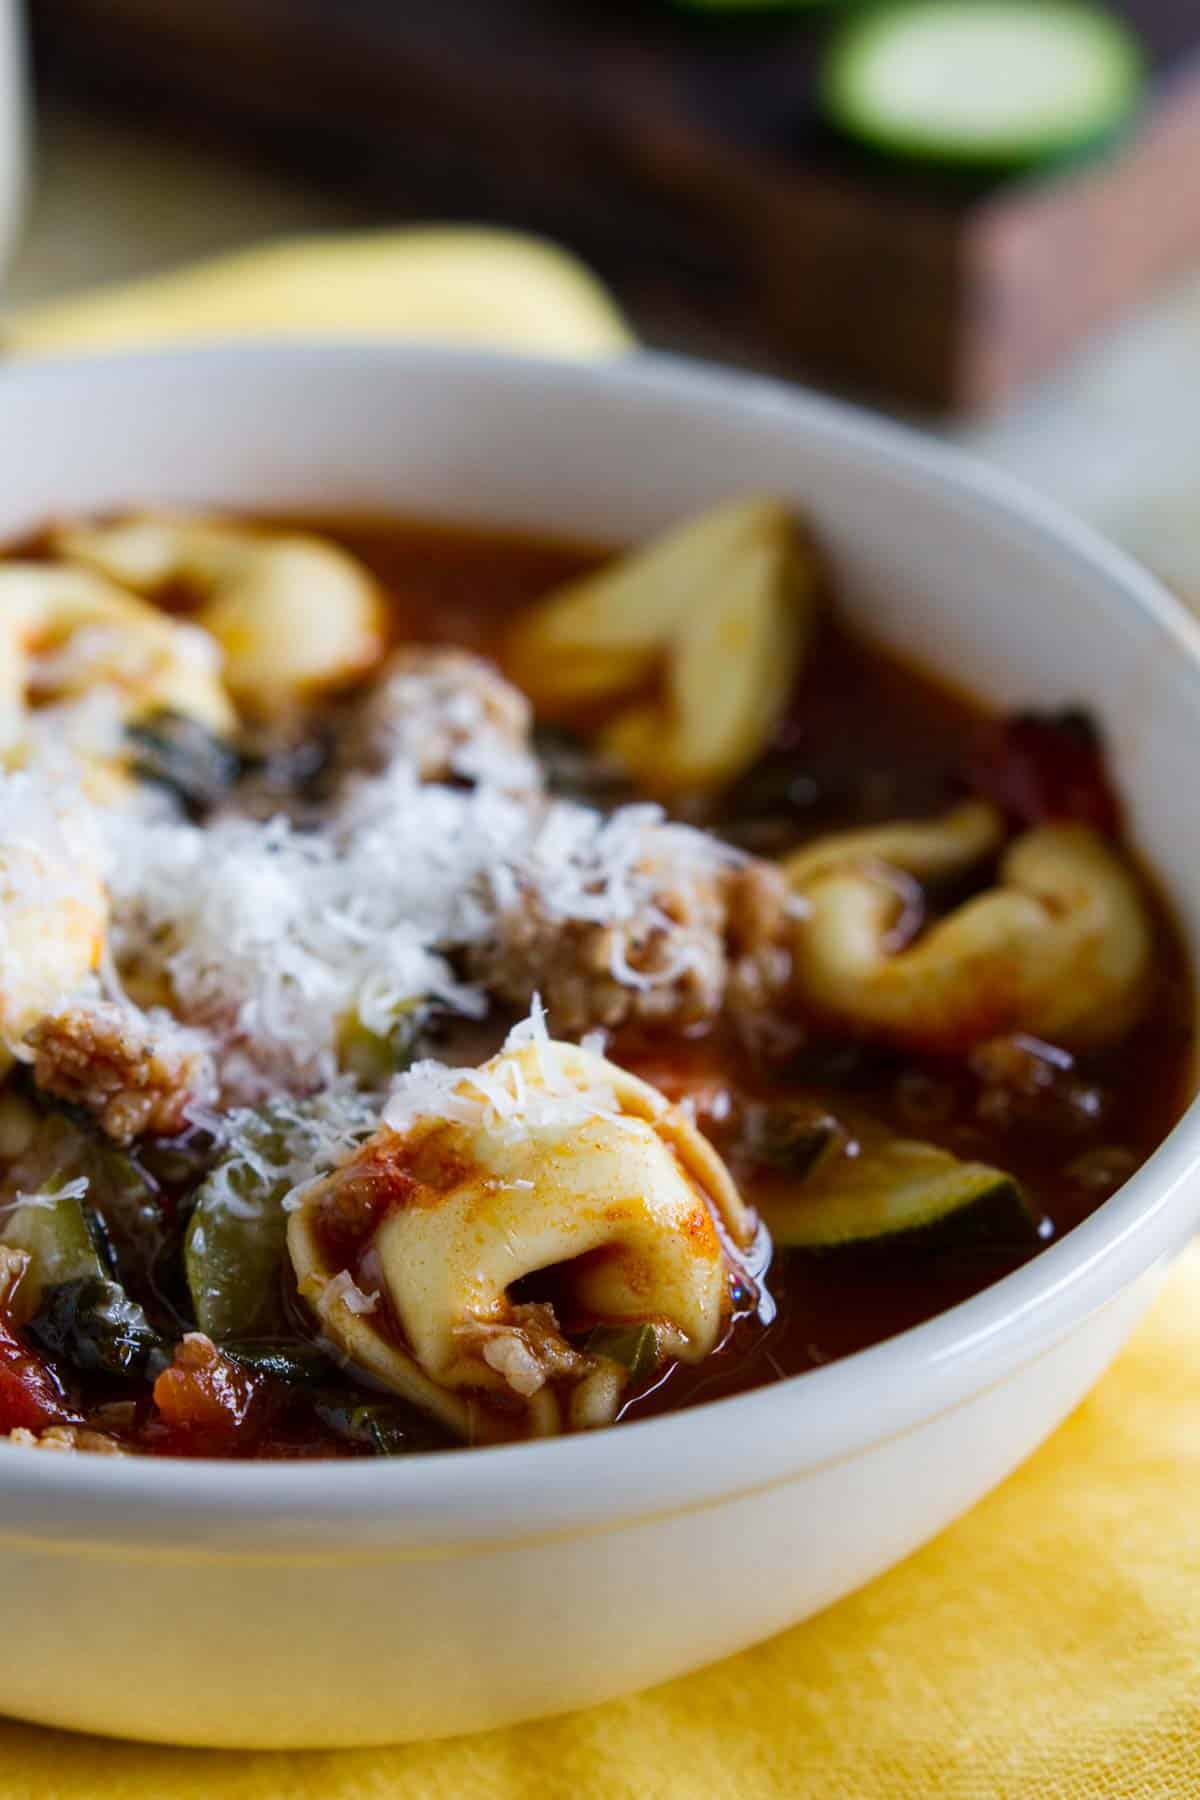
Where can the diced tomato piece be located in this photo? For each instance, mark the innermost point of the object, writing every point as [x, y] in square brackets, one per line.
[1040, 767]
[30, 1392]
[31, 1395]
[207, 1404]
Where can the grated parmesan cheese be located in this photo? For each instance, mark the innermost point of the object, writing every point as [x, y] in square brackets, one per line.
[273, 936]
[287, 1146]
[45, 1200]
[500, 1098]
[343, 1287]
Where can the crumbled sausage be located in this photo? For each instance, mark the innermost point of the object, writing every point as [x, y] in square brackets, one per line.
[665, 966]
[1027, 1084]
[449, 714]
[705, 939]
[527, 1351]
[136, 1071]
[67, 1437]
[759, 915]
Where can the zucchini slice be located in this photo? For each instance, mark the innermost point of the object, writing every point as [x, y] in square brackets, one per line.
[896, 1193]
[236, 1242]
[81, 1313]
[59, 1237]
[234, 1247]
[989, 84]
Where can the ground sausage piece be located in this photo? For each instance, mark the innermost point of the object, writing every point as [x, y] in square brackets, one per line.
[704, 939]
[449, 714]
[67, 1437]
[665, 966]
[135, 1071]
[759, 925]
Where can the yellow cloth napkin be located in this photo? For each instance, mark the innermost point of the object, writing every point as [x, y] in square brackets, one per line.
[1047, 1647]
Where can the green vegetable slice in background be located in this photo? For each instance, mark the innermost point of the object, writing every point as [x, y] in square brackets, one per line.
[990, 84]
[185, 757]
[896, 1192]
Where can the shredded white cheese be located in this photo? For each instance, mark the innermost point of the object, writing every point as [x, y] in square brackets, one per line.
[288, 1146]
[275, 937]
[45, 1200]
[343, 1287]
[500, 1098]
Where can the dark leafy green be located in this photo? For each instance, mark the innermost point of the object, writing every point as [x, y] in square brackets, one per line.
[788, 1135]
[183, 756]
[384, 1427]
[92, 1324]
[299, 1364]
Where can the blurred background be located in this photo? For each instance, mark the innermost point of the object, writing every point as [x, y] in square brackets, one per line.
[981, 213]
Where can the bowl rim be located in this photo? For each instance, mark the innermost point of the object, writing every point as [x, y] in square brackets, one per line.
[655, 1466]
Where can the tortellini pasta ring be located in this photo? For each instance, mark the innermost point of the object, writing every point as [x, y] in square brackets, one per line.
[1061, 947]
[65, 632]
[928, 849]
[295, 616]
[598, 1180]
[719, 610]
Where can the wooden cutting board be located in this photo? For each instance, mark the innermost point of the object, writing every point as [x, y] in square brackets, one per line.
[685, 157]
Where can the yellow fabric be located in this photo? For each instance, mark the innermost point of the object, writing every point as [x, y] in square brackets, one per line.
[444, 284]
[1047, 1647]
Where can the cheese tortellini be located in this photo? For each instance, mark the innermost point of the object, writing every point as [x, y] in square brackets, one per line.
[1061, 947]
[66, 632]
[294, 615]
[719, 612]
[548, 1163]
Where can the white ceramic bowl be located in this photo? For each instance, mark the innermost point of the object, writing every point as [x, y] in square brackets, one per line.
[321, 1605]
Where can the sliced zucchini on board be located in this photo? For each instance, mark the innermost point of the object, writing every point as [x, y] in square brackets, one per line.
[986, 84]
[900, 1192]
